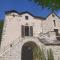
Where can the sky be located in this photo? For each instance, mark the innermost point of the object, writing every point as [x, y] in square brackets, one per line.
[22, 6]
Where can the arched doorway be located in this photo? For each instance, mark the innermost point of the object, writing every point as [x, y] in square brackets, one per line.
[27, 51]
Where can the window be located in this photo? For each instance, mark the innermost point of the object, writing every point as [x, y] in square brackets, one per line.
[27, 31]
[56, 31]
[54, 23]
[22, 30]
[26, 17]
[53, 15]
[13, 15]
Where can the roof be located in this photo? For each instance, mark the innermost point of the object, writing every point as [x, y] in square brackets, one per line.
[54, 14]
[20, 13]
[39, 17]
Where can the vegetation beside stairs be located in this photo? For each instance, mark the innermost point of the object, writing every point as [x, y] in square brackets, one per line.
[38, 54]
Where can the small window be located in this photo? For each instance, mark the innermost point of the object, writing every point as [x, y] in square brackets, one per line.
[26, 17]
[54, 23]
[53, 15]
[56, 31]
[22, 30]
[13, 15]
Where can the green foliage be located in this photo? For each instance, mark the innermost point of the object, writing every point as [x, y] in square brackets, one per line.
[50, 4]
[50, 55]
[38, 54]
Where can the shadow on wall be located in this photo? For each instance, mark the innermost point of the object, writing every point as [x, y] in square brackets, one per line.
[1, 28]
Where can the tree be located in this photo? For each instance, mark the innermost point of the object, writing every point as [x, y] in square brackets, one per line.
[50, 4]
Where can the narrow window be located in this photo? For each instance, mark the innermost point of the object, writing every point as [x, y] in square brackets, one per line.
[53, 15]
[26, 30]
[54, 23]
[22, 30]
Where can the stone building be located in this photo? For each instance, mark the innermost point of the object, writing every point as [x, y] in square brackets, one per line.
[24, 31]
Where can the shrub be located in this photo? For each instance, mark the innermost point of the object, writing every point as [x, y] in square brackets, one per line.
[50, 55]
[38, 54]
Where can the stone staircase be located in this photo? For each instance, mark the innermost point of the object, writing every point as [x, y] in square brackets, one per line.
[13, 43]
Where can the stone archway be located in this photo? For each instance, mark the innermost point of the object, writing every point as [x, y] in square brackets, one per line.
[27, 51]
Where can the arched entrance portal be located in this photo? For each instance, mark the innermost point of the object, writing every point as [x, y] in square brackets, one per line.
[27, 51]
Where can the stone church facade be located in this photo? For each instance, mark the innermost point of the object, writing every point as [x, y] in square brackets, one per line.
[25, 31]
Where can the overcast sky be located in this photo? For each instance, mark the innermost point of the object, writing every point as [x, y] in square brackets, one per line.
[22, 6]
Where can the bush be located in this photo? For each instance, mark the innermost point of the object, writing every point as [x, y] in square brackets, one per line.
[50, 55]
[38, 54]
